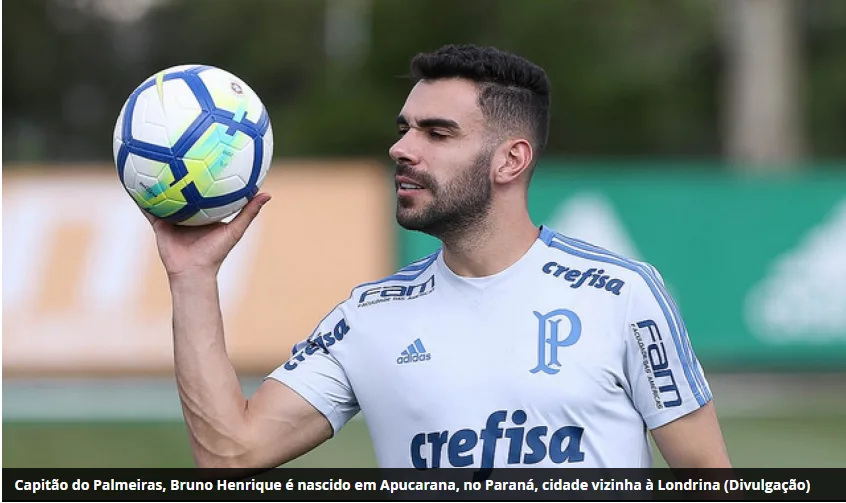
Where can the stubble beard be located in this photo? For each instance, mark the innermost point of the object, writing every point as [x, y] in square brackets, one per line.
[456, 207]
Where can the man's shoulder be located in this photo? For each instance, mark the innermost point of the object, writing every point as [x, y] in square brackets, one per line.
[570, 259]
[411, 281]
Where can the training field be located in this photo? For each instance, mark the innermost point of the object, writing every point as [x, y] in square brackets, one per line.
[771, 442]
[768, 421]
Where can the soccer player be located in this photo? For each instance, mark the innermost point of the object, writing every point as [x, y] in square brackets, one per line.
[511, 346]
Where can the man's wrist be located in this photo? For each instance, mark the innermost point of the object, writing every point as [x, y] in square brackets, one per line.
[192, 279]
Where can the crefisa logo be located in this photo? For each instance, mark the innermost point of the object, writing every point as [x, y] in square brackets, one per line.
[592, 277]
[319, 342]
[523, 445]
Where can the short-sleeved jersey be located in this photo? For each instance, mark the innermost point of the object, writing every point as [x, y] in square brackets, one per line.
[565, 359]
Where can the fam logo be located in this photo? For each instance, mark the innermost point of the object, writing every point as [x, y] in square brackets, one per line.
[598, 278]
[318, 342]
[381, 294]
[549, 338]
[656, 365]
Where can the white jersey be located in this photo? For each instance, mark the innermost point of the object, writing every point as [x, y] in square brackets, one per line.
[565, 359]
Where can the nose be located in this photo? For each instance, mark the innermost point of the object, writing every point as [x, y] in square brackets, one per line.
[403, 152]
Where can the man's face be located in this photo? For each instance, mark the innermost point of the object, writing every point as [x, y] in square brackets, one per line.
[443, 159]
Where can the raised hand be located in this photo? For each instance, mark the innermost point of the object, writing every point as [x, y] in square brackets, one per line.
[185, 250]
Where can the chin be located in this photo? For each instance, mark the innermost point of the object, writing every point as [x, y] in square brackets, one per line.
[407, 222]
[409, 210]
[410, 220]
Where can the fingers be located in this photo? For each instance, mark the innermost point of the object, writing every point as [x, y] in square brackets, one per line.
[149, 216]
[242, 221]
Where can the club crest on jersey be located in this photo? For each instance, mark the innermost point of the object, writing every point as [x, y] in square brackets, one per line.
[549, 338]
[592, 277]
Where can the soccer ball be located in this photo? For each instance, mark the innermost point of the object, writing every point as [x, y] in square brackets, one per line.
[193, 144]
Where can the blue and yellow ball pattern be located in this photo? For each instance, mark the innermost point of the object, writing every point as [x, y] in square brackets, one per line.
[193, 144]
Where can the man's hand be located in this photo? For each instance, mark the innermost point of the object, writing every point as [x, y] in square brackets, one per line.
[186, 249]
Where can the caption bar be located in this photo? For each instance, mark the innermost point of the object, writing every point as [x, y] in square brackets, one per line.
[341, 484]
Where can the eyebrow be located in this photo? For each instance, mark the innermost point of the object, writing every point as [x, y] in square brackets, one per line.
[430, 122]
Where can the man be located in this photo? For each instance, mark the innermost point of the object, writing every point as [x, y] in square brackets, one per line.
[510, 346]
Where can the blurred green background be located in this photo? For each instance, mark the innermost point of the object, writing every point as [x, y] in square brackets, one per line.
[769, 420]
[769, 442]
[705, 128]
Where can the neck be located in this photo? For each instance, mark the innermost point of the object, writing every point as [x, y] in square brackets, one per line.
[491, 246]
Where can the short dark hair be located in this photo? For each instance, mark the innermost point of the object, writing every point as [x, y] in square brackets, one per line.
[514, 93]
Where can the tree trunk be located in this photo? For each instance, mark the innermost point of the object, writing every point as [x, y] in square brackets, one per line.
[763, 127]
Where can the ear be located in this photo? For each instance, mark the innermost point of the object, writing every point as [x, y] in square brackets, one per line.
[515, 157]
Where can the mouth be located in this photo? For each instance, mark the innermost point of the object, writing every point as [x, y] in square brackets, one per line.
[406, 185]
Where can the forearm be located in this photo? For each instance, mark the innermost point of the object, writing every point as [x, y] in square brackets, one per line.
[212, 400]
[693, 441]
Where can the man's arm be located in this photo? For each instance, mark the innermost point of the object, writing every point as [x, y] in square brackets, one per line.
[227, 430]
[665, 378]
[693, 441]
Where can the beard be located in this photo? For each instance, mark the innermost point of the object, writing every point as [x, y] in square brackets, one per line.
[456, 206]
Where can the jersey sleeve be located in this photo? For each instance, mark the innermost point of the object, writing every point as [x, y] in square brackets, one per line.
[664, 375]
[314, 372]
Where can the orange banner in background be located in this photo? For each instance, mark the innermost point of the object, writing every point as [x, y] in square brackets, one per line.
[84, 291]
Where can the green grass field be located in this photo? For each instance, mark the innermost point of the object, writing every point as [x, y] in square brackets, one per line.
[802, 441]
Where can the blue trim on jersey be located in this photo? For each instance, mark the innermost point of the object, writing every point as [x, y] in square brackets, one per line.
[546, 235]
[415, 267]
[688, 348]
[418, 261]
[426, 262]
[685, 339]
[668, 306]
[581, 249]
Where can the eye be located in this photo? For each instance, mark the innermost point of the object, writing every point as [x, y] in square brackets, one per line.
[401, 131]
[437, 135]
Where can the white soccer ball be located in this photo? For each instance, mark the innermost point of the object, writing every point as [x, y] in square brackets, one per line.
[193, 144]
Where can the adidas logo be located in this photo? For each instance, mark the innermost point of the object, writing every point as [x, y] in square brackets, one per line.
[414, 353]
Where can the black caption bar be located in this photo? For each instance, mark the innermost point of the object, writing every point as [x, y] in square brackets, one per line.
[335, 484]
